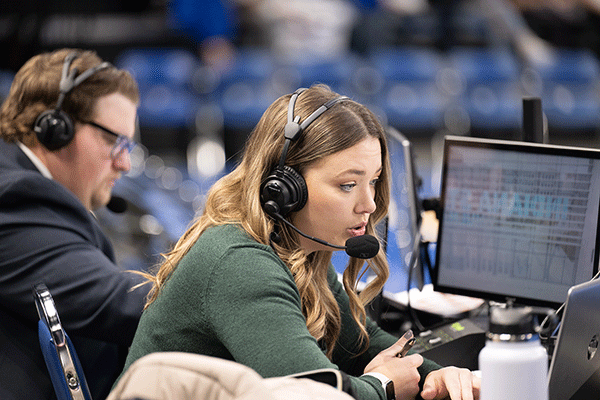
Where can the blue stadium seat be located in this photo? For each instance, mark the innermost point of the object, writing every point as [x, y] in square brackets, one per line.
[569, 88]
[243, 103]
[245, 89]
[6, 78]
[165, 77]
[167, 106]
[250, 65]
[153, 66]
[410, 98]
[334, 73]
[492, 94]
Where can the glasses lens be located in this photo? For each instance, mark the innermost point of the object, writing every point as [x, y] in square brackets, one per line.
[123, 144]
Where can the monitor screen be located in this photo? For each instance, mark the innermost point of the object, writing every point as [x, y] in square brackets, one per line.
[404, 214]
[519, 220]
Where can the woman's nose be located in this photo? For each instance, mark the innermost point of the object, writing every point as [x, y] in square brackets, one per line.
[366, 204]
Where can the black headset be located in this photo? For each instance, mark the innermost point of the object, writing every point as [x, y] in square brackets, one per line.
[54, 128]
[284, 189]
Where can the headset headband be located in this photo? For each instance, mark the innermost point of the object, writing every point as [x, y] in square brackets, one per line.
[293, 127]
[68, 80]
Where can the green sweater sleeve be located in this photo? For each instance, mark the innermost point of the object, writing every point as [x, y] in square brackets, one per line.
[345, 354]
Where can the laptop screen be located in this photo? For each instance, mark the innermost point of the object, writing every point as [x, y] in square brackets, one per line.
[575, 366]
[519, 220]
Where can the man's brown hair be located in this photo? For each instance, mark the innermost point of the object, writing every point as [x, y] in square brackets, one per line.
[35, 89]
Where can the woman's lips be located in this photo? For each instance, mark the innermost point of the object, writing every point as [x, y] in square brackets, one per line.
[358, 231]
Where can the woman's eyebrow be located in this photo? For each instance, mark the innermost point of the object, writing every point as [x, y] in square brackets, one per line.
[357, 172]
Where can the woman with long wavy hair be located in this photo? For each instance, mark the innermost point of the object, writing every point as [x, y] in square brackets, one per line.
[243, 284]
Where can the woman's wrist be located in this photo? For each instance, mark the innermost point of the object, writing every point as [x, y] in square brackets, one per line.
[386, 383]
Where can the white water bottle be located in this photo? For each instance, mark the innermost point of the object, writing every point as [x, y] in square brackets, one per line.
[513, 362]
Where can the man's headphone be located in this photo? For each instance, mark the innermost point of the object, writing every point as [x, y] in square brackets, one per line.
[54, 128]
[284, 189]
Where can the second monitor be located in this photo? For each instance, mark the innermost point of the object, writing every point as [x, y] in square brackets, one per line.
[519, 220]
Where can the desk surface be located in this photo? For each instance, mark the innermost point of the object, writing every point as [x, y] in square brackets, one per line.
[427, 300]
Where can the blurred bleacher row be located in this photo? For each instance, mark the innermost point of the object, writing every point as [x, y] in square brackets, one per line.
[192, 110]
[417, 90]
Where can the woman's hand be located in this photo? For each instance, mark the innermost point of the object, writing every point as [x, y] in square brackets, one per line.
[402, 371]
[451, 383]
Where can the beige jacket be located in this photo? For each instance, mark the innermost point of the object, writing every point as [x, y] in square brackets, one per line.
[185, 376]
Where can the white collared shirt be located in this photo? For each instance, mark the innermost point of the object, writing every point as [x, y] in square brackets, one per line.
[35, 160]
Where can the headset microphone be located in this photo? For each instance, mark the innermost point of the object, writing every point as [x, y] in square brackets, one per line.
[364, 246]
[117, 204]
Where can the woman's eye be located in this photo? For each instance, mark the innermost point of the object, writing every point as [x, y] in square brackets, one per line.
[374, 181]
[347, 186]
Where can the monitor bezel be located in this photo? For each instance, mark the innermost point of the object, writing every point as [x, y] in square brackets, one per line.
[508, 145]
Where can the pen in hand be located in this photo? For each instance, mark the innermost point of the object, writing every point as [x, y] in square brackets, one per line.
[406, 341]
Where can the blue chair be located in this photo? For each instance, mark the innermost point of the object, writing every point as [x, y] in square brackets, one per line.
[568, 89]
[6, 78]
[61, 359]
[410, 98]
[492, 93]
[165, 77]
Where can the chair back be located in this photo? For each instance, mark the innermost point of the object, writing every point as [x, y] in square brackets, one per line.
[59, 354]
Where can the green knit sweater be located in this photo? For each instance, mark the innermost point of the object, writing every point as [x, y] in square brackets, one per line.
[233, 298]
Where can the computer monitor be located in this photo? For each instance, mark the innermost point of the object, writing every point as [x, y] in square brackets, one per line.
[404, 215]
[519, 220]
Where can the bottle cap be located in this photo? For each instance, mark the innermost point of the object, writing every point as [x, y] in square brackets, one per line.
[517, 322]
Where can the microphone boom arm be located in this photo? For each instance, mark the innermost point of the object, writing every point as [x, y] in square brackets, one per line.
[279, 217]
[364, 246]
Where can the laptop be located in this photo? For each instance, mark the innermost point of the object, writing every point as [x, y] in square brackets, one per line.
[575, 367]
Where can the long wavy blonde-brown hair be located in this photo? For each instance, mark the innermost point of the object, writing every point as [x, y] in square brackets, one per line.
[235, 199]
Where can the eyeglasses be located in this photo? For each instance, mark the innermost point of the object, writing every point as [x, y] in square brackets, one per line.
[122, 143]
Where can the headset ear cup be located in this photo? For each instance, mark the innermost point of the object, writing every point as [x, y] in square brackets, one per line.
[54, 129]
[283, 191]
[297, 181]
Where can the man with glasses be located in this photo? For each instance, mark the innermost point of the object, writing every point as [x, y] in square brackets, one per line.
[67, 127]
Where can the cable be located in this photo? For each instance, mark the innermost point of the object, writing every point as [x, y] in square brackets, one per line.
[412, 265]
